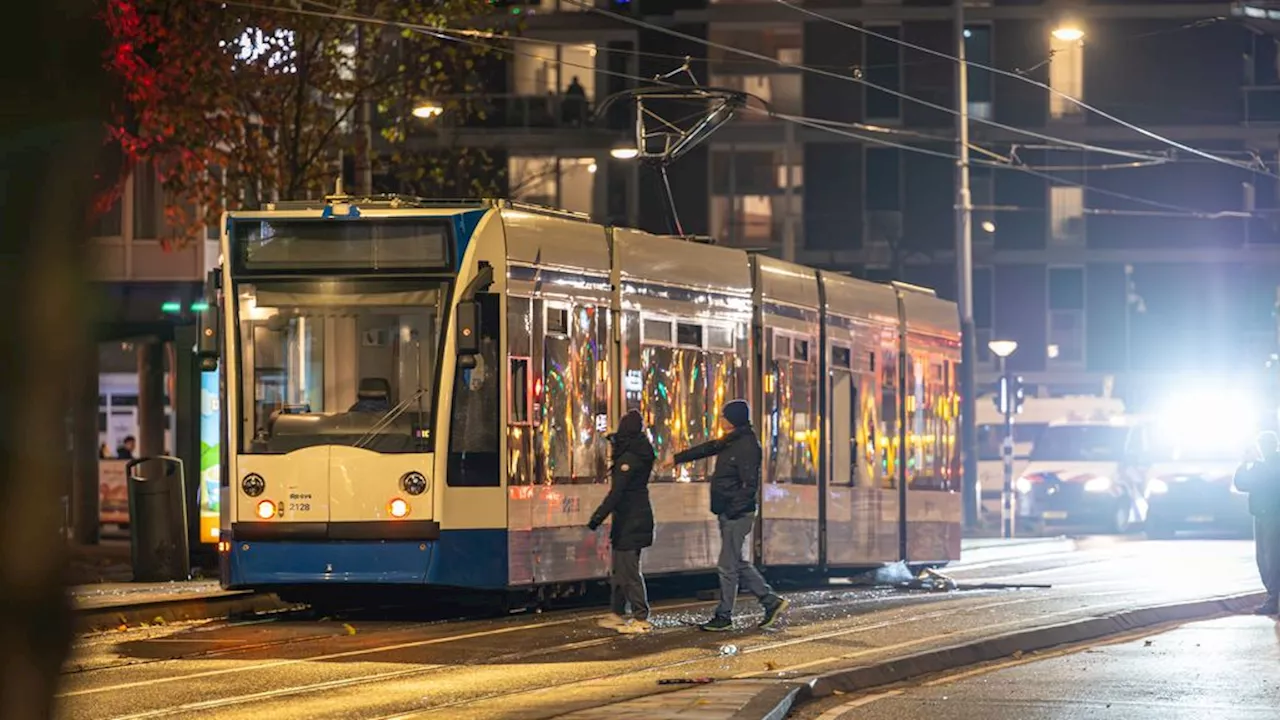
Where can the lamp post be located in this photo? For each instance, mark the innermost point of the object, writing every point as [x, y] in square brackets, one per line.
[1003, 349]
[964, 272]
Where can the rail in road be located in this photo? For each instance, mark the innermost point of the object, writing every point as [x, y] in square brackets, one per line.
[543, 665]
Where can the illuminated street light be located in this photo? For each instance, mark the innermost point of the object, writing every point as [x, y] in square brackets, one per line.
[427, 111]
[1068, 33]
[1002, 348]
[624, 153]
[988, 226]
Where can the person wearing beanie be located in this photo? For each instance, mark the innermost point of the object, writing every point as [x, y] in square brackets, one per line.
[632, 530]
[735, 483]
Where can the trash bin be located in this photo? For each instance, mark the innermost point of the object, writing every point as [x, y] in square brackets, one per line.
[158, 519]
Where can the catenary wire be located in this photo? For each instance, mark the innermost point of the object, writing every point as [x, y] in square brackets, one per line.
[832, 127]
[1023, 78]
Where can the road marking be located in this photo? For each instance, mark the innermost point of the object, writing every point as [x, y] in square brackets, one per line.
[836, 713]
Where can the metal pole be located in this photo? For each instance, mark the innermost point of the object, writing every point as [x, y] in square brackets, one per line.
[1008, 515]
[789, 222]
[964, 288]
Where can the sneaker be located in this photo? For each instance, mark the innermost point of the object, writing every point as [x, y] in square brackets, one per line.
[635, 627]
[773, 611]
[717, 624]
[612, 622]
[1270, 607]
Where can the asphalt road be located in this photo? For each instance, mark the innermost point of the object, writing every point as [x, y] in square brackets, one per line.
[1223, 669]
[542, 665]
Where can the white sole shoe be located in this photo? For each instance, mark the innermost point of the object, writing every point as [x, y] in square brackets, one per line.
[611, 622]
[636, 627]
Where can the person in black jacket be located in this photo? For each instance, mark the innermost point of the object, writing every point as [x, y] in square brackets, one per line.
[632, 531]
[735, 483]
[1261, 479]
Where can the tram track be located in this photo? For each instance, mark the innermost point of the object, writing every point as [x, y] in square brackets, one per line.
[155, 633]
[886, 610]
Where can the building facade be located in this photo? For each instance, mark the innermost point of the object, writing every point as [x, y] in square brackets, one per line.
[1101, 267]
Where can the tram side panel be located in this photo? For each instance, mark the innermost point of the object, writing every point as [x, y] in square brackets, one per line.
[934, 506]
[790, 417]
[862, 499]
[558, 326]
[685, 314]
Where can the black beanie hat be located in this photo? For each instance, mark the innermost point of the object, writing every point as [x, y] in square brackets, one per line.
[737, 412]
[631, 424]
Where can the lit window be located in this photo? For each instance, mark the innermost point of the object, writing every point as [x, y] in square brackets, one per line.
[1066, 75]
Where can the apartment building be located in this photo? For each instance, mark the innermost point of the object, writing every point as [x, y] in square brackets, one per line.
[1092, 283]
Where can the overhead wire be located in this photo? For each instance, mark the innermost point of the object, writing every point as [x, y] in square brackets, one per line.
[862, 81]
[833, 127]
[1024, 78]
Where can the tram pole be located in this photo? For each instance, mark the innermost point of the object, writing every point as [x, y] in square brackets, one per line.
[964, 286]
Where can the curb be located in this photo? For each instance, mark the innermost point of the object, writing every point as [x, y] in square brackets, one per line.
[200, 607]
[865, 677]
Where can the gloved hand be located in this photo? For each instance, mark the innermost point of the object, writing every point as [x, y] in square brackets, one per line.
[594, 524]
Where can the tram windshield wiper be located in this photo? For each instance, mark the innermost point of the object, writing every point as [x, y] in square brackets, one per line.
[389, 417]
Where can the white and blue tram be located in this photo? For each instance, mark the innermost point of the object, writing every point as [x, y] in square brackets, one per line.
[418, 393]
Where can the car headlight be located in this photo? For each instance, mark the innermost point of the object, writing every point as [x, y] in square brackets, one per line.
[1157, 487]
[1022, 485]
[1098, 485]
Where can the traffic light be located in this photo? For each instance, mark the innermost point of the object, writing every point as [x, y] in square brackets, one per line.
[1009, 394]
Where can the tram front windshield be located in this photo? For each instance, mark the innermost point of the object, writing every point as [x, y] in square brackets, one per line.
[338, 362]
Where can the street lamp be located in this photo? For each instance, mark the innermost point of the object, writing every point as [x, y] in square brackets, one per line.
[1003, 349]
[1068, 33]
[625, 152]
[427, 110]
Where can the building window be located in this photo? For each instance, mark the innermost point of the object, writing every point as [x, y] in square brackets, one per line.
[544, 69]
[148, 202]
[883, 67]
[565, 183]
[1066, 75]
[1066, 215]
[884, 178]
[977, 49]
[1066, 315]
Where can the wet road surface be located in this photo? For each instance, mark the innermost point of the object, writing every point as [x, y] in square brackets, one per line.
[1223, 669]
[541, 665]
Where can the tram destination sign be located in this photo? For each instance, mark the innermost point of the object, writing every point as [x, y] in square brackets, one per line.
[326, 244]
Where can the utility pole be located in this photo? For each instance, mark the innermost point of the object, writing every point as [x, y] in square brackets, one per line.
[964, 288]
[789, 219]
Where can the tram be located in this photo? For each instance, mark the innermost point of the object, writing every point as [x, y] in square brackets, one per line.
[418, 393]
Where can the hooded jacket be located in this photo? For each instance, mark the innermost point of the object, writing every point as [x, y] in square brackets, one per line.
[1261, 479]
[628, 498]
[735, 481]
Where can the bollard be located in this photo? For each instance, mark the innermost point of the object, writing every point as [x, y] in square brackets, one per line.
[158, 520]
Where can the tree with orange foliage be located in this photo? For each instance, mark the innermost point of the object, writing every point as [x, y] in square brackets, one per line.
[236, 104]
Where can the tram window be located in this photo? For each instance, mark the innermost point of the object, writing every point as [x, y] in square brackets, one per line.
[720, 338]
[473, 432]
[557, 321]
[840, 357]
[519, 390]
[689, 334]
[801, 348]
[781, 346]
[658, 331]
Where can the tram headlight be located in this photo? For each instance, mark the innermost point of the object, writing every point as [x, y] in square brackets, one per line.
[253, 485]
[398, 508]
[414, 483]
[266, 509]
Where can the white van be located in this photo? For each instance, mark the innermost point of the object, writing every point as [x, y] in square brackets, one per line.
[1036, 415]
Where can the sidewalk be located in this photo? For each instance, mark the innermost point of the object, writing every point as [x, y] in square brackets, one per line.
[1222, 669]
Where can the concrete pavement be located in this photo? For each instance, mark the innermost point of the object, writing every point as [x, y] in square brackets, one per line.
[1223, 669]
[536, 666]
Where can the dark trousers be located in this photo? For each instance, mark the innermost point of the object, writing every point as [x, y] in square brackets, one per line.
[627, 585]
[1266, 538]
[735, 570]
